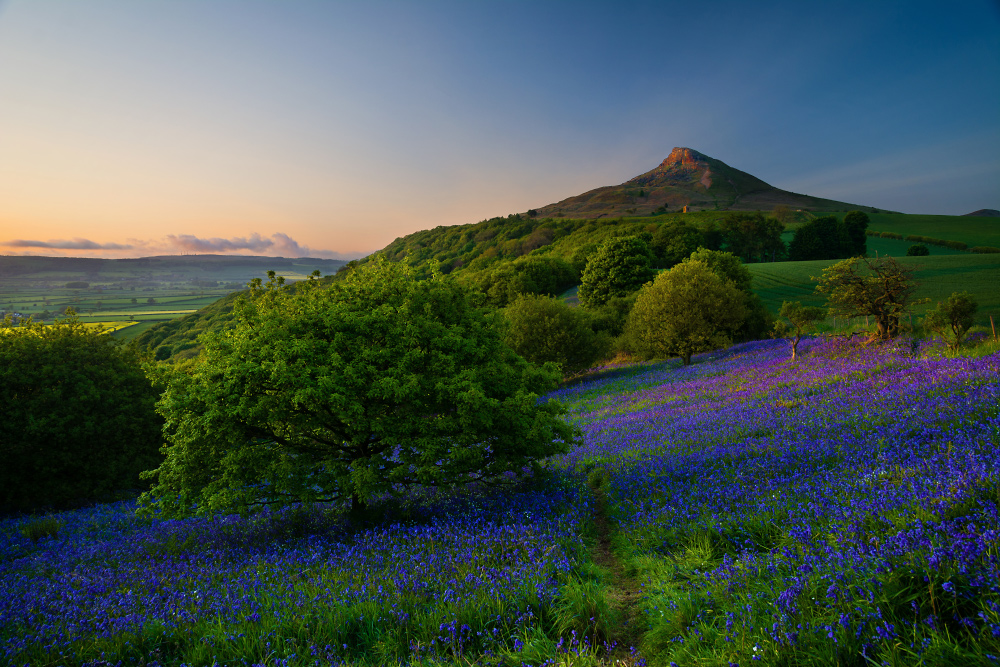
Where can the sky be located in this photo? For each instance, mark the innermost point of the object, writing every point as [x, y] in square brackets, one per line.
[328, 129]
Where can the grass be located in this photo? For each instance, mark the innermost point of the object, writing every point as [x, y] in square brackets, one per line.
[938, 275]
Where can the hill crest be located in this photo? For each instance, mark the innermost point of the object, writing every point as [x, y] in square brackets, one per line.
[688, 178]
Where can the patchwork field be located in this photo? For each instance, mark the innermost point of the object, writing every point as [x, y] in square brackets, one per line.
[841, 510]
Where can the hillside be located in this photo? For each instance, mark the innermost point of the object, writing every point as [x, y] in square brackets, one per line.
[692, 179]
[742, 510]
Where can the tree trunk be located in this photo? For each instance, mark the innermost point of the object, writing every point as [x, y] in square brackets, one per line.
[359, 507]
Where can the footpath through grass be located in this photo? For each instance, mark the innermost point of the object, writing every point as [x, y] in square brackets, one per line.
[841, 511]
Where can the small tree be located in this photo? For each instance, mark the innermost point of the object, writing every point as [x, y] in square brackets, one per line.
[799, 319]
[620, 266]
[77, 414]
[686, 310]
[952, 319]
[543, 329]
[373, 384]
[881, 288]
[917, 250]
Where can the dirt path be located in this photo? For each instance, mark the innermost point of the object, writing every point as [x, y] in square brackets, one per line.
[623, 591]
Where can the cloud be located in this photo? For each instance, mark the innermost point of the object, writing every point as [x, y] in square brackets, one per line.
[190, 243]
[75, 244]
[279, 245]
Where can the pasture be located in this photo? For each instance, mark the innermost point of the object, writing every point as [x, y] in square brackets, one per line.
[938, 276]
[841, 510]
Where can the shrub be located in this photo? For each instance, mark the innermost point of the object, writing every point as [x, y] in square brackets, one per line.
[543, 329]
[952, 319]
[78, 416]
[917, 250]
[984, 249]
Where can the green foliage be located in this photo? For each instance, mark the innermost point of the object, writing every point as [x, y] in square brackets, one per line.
[752, 236]
[39, 528]
[830, 238]
[543, 329]
[799, 318]
[619, 267]
[78, 416]
[726, 265]
[952, 319]
[673, 241]
[880, 287]
[370, 385]
[854, 239]
[917, 250]
[758, 320]
[527, 275]
[686, 310]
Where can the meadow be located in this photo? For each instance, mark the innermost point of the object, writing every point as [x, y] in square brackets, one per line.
[840, 510]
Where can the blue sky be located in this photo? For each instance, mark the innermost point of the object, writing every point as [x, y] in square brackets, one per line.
[131, 128]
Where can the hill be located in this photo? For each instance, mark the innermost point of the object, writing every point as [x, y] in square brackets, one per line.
[742, 510]
[986, 212]
[687, 178]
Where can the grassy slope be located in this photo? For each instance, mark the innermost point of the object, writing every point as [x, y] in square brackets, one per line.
[938, 276]
[768, 513]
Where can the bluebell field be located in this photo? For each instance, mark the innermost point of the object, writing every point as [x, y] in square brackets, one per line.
[838, 510]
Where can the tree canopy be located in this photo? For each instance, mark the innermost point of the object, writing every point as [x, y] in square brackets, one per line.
[881, 288]
[686, 310]
[543, 329]
[830, 238]
[77, 414]
[370, 385]
[620, 266]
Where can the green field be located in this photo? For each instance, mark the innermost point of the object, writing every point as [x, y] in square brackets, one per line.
[144, 291]
[938, 276]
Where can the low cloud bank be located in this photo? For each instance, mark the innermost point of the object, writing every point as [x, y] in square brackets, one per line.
[277, 245]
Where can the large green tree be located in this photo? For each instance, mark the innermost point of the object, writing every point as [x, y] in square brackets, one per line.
[686, 310]
[343, 392]
[77, 416]
[757, 320]
[620, 266]
[543, 329]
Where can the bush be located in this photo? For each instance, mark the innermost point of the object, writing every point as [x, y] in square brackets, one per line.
[78, 416]
[917, 250]
[952, 319]
[984, 250]
[543, 329]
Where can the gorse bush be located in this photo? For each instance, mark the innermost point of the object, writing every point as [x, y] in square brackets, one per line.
[77, 413]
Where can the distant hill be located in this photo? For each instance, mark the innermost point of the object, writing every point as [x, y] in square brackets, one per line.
[217, 268]
[985, 213]
[692, 179]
